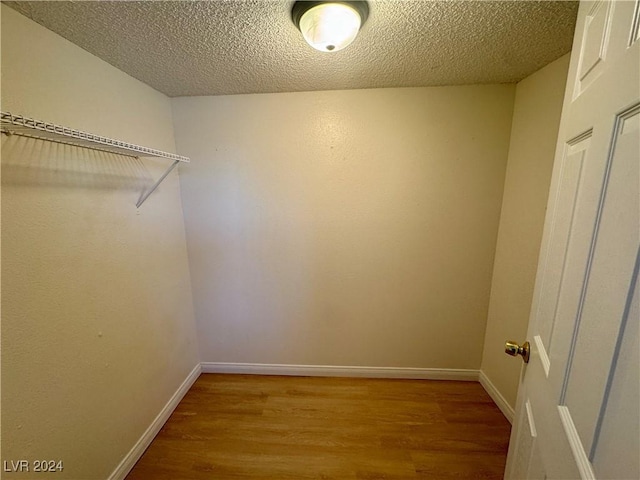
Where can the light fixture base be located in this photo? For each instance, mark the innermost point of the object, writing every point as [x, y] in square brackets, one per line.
[302, 6]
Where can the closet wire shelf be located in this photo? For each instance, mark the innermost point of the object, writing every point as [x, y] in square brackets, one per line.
[28, 127]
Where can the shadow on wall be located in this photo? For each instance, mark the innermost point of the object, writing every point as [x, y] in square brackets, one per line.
[30, 161]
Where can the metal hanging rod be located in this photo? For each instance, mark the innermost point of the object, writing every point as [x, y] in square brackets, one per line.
[28, 127]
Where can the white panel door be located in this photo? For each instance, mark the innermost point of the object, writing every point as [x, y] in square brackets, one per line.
[578, 406]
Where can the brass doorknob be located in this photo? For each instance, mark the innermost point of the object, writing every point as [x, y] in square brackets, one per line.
[513, 349]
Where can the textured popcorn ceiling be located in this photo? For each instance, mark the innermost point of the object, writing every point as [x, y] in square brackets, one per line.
[229, 47]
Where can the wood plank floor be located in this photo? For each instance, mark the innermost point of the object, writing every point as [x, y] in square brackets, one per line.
[274, 427]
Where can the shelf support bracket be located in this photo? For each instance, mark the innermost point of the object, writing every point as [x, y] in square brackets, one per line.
[148, 192]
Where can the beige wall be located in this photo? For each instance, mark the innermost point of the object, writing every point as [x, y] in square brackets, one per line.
[533, 139]
[97, 316]
[344, 227]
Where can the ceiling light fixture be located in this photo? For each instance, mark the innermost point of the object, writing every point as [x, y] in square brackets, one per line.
[329, 26]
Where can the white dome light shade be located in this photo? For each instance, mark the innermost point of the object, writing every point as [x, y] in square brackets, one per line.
[330, 27]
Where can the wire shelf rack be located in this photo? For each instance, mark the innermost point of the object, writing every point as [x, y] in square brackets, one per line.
[11, 124]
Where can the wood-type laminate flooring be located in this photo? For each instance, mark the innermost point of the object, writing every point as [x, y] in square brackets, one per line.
[281, 428]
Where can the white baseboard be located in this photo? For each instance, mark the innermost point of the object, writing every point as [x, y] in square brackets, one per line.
[341, 371]
[147, 437]
[506, 409]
